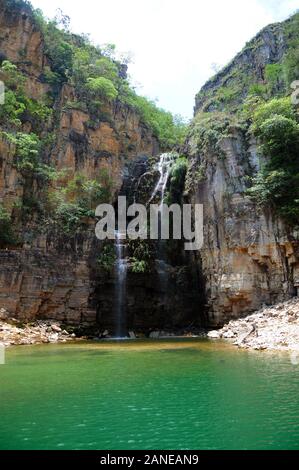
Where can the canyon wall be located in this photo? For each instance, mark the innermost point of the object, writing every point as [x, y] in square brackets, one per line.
[50, 275]
[46, 277]
[250, 256]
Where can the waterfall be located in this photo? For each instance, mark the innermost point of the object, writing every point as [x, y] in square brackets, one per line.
[164, 167]
[120, 286]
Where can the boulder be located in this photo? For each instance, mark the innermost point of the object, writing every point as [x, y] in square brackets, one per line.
[154, 334]
[56, 328]
[3, 314]
[228, 334]
[132, 335]
[214, 335]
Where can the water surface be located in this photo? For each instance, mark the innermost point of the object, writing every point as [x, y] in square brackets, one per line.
[178, 394]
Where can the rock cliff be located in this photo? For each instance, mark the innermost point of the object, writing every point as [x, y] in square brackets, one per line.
[250, 255]
[49, 273]
[46, 276]
[87, 145]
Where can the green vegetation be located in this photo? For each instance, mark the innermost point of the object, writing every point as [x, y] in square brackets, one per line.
[177, 180]
[27, 151]
[7, 236]
[99, 77]
[238, 97]
[139, 266]
[106, 260]
[18, 108]
[101, 88]
[73, 201]
[209, 129]
[277, 184]
[170, 130]
[275, 77]
[141, 256]
[100, 82]
[291, 58]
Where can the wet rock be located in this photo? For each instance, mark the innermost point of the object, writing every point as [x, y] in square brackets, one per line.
[154, 334]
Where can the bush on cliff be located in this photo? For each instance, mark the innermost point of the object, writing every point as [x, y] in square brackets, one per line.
[277, 184]
[101, 88]
[7, 236]
[73, 200]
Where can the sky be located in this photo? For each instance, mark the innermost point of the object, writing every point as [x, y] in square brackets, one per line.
[174, 44]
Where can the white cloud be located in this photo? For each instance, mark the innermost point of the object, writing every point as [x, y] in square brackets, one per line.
[174, 43]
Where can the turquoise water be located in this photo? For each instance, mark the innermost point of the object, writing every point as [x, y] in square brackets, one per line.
[189, 394]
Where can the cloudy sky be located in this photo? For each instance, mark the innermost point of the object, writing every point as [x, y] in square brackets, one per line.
[174, 43]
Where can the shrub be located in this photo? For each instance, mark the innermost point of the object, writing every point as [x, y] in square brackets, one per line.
[275, 77]
[12, 109]
[107, 258]
[276, 106]
[102, 88]
[210, 128]
[277, 184]
[17, 107]
[280, 140]
[27, 151]
[177, 180]
[139, 266]
[170, 130]
[7, 236]
[72, 201]
[257, 89]
[68, 216]
[291, 58]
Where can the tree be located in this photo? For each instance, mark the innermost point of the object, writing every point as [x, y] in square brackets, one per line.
[277, 183]
[102, 88]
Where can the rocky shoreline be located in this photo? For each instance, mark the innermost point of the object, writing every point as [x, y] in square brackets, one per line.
[13, 333]
[272, 328]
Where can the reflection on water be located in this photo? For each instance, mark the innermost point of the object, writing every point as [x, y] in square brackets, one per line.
[175, 394]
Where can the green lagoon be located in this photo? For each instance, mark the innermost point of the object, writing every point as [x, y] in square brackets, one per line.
[176, 394]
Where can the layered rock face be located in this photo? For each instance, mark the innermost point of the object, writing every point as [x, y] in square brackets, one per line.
[170, 293]
[250, 257]
[56, 277]
[49, 277]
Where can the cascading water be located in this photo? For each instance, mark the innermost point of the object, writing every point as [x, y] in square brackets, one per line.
[164, 166]
[121, 267]
[120, 286]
